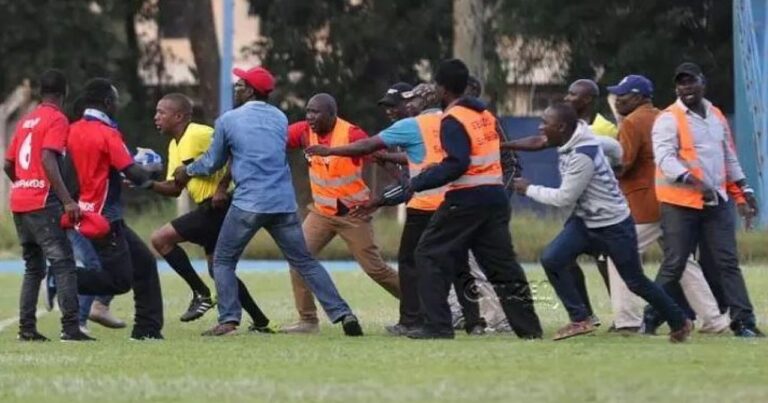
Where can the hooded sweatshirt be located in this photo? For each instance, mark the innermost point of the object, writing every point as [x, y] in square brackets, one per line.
[589, 188]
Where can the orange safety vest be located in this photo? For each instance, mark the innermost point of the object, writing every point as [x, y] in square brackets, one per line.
[485, 160]
[681, 194]
[336, 179]
[429, 126]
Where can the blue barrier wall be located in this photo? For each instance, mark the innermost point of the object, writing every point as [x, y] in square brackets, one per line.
[538, 167]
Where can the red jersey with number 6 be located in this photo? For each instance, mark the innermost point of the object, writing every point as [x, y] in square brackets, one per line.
[43, 128]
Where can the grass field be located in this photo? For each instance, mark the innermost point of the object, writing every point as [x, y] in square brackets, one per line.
[377, 368]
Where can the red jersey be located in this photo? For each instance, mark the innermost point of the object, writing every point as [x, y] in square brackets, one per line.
[43, 128]
[98, 153]
[298, 137]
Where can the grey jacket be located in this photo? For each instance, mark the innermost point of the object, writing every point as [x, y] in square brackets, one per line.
[589, 188]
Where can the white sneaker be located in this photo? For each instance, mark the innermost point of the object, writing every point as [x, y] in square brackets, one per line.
[84, 329]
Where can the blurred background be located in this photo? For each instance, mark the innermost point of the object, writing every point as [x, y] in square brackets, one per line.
[524, 51]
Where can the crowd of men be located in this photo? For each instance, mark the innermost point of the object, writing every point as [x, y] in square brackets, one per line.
[667, 176]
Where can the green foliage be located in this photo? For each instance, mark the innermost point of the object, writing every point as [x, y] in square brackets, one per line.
[369, 46]
[649, 37]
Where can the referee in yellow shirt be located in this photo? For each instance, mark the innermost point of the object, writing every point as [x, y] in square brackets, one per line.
[201, 226]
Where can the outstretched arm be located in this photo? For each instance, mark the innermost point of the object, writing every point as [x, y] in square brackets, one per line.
[356, 149]
[530, 143]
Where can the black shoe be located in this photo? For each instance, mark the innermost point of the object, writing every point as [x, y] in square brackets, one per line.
[31, 335]
[351, 325]
[261, 329]
[477, 330]
[746, 331]
[197, 308]
[651, 322]
[144, 336]
[75, 336]
[421, 333]
[397, 329]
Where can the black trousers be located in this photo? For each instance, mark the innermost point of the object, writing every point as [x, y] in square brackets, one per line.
[42, 238]
[416, 221]
[713, 230]
[127, 263]
[451, 233]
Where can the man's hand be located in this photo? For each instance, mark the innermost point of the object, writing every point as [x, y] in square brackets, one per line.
[363, 211]
[396, 194]
[180, 176]
[521, 185]
[747, 213]
[689, 179]
[219, 199]
[73, 211]
[319, 150]
[749, 196]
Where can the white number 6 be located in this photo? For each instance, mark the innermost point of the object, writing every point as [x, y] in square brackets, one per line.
[25, 152]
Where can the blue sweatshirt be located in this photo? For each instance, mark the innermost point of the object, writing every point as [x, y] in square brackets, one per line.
[456, 144]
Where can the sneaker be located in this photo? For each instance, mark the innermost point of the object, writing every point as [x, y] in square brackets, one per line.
[197, 308]
[101, 314]
[75, 336]
[747, 331]
[477, 330]
[31, 335]
[397, 329]
[222, 329]
[459, 323]
[146, 336]
[625, 330]
[574, 329]
[261, 329]
[595, 321]
[710, 328]
[681, 335]
[421, 333]
[351, 325]
[84, 329]
[301, 327]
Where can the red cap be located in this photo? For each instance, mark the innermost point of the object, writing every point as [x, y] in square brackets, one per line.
[258, 77]
[91, 225]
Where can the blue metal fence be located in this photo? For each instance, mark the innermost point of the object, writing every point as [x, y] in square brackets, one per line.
[750, 18]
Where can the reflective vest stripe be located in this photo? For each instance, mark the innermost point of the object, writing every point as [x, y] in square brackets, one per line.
[333, 178]
[429, 126]
[485, 155]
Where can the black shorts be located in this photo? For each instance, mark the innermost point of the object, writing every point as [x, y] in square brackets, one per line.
[202, 225]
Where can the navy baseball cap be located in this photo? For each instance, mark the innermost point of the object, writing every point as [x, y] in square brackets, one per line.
[634, 84]
[394, 94]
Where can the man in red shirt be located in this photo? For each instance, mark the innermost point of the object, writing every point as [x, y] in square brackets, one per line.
[337, 186]
[99, 156]
[32, 164]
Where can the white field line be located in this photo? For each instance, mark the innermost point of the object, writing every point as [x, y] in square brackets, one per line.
[10, 321]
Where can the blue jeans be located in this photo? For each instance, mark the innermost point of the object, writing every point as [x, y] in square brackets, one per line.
[86, 255]
[619, 242]
[285, 228]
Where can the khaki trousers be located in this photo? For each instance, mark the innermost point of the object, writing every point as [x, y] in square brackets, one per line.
[319, 230]
[628, 307]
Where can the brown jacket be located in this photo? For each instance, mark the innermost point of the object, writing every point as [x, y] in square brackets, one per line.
[637, 180]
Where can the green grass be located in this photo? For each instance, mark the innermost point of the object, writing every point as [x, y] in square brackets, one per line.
[331, 368]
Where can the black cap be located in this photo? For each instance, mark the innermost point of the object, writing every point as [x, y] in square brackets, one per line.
[394, 94]
[687, 68]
